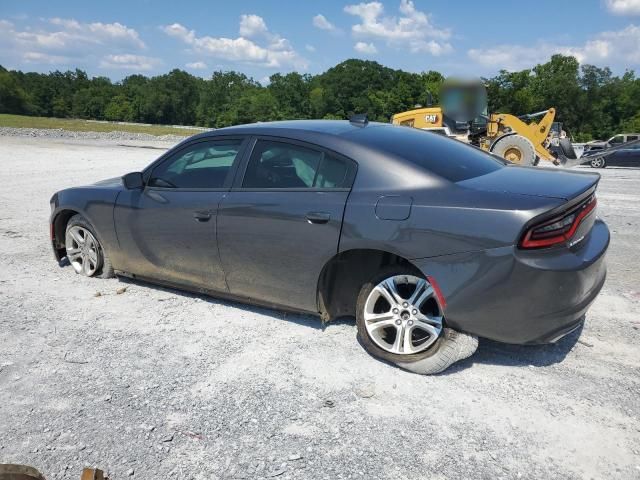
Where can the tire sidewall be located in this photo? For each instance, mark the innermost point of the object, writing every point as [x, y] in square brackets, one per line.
[363, 335]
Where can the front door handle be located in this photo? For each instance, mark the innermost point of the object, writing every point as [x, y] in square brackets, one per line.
[318, 217]
[202, 216]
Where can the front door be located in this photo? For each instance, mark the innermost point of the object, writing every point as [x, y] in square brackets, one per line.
[281, 222]
[167, 231]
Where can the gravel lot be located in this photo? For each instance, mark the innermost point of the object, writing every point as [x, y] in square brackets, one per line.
[155, 383]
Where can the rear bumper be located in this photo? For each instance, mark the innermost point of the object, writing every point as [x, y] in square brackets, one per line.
[523, 297]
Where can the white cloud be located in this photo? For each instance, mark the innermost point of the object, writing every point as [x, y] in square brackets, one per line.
[98, 32]
[614, 48]
[276, 52]
[252, 25]
[321, 22]
[310, 48]
[196, 65]
[38, 57]
[365, 48]
[413, 28]
[623, 7]
[129, 61]
[67, 42]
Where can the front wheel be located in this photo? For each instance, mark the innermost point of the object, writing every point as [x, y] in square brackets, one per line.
[400, 320]
[84, 252]
[598, 162]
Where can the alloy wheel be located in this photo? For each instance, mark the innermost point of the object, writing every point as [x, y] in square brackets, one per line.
[596, 162]
[83, 250]
[402, 315]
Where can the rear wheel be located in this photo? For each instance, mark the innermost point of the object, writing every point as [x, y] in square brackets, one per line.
[515, 148]
[84, 252]
[400, 320]
[598, 162]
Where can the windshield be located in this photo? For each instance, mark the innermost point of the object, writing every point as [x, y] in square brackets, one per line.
[445, 157]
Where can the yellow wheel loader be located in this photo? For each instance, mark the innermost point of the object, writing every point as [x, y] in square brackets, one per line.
[523, 140]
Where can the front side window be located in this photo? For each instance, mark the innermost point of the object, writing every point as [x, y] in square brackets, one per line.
[201, 165]
[616, 140]
[283, 165]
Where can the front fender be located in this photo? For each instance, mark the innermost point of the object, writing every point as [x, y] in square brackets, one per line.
[95, 205]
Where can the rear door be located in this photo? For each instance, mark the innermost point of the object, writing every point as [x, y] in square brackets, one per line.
[168, 229]
[281, 222]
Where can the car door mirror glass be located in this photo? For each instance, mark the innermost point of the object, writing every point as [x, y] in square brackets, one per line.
[133, 181]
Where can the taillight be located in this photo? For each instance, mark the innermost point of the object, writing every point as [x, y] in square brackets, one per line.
[559, 229]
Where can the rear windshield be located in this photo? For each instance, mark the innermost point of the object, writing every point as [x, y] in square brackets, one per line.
[442, 156]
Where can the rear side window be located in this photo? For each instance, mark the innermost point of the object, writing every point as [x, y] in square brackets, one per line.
[201, 165]
[332, 173]
[445, 157]
[282, 165]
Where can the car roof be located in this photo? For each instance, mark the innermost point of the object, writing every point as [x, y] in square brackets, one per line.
[330, 127]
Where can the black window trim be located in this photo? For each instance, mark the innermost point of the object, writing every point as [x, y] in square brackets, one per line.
[171, 154]
[352, 166]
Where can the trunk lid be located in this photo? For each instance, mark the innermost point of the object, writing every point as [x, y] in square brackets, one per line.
[535, 181]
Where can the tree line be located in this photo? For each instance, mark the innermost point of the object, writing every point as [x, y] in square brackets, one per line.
[591, 101]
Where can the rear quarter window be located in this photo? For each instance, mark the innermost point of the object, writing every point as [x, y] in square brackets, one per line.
[445, 157]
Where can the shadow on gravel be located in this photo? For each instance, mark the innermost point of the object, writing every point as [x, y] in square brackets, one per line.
[496, 353]
[299, 318]
[489, 352]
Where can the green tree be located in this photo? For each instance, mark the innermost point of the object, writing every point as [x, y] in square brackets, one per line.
[292, 95]
[119, 109]
[13, 98]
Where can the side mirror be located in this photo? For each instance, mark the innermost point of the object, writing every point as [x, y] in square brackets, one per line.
[133, 181]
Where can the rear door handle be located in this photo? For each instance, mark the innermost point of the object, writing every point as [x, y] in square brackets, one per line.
[202, 216]
[318, 217]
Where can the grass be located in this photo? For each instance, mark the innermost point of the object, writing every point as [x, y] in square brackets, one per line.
[77, 125]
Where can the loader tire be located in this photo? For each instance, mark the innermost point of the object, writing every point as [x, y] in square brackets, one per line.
[516, 149]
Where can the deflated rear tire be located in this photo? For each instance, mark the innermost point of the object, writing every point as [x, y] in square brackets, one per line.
[399, 320]
[84, 252]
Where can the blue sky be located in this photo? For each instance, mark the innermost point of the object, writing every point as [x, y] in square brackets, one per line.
[117, 38]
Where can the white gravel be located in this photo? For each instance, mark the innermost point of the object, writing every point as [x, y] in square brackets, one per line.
[154, 383]
[58, 133]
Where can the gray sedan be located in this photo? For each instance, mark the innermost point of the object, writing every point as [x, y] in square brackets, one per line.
[427, 242]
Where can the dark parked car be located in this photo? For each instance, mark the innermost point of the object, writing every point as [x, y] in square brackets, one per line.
[625, 157]
[426, 241]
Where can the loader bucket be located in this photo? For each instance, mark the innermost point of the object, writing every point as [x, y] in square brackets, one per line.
[566, 154]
